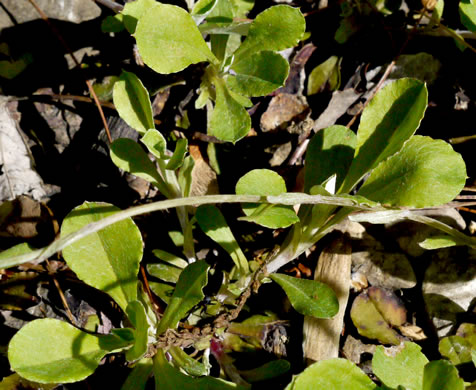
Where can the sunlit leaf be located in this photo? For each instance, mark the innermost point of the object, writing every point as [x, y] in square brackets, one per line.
[177, 158]
[138, 317]
[467, 12]
[441, 375]
[134, 10]
[155, 142]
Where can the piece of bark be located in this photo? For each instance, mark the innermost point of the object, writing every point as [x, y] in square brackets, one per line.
[321, 336]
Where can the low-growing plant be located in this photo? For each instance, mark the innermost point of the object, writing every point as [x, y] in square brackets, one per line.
[103, 246]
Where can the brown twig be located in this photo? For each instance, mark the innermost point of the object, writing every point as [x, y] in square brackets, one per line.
[467, 210]
[111, 5]
[76, 62]
[156, 306]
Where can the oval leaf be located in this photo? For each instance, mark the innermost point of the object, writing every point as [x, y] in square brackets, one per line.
[321, 74]
[455, 348]
[134, 10]
[265, 182]
[425, 173]
[259, 74]
[441, 375]
[467, 12]
[389, 120]
[108, 259]
[332, 374]
[274, 29]
[229, 120]
[132, 102]
[309, 297]
[155, 143]
[168, 39]
[188, 292]
[400, 366]
[52, 351]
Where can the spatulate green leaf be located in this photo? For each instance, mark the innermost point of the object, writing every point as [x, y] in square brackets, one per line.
[309, 297]
[169, 41]
[52, 351]
[402, 365]
[389, 120]
[441, 375]
[213, 223]
[259, 74]
[188, 292]
[274, 29]
[229, 120]
[108, 259]
[155, 143]
[132, 102]
[467, 12]
[424, 173]
[335, 374]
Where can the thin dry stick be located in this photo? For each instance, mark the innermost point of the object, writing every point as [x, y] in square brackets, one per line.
[76, 62]
[467, 210]
[111, 4]
[158, 309]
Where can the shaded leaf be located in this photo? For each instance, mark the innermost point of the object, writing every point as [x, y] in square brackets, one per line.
[322, 74]
[424, 173]
[467, 12]
[441, 375]
[112, 23]
[185, 175]
[132, 102]
[455, 348]
[169, 41]
[265, 182]
[52, 351]
[136, 313]
[163, 290]
[400, 366]
[178, 157]
[115, 251]
[267, 371]
[309, 297]
[259, 74]
[335, 374]
[187, 363]
[213, 223]
[188, 292]
[139, 375]
[389, 305]
[389, 120]
[276, 28]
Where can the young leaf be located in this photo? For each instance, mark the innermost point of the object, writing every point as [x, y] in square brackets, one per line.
[168, 377]
[259, 74]
[467, 12]
[132, 102]
[274, 29]
[139, 375]
[53, 351]
[242, 7]
[134, 10]
[456, 348]
[321, 74]
[165, 272]
[332, 374]
[265, 182]
[330, 152]
[188, 292]
[437, 242]
[155, 143]
[441, 375]
[188, 364]
[400, 366]
[425, 173]
[229, 120]
[213, 223]
[201, 9]
[185, 175]
[138, 317]
[129, 156]
[389, 120]
[169, 41]
[108, 259]
[170, 258]
[176, 160]
[309, 297]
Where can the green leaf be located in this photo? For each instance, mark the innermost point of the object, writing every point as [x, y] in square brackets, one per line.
[133, 11]
[267, 371]
[265, 182]
[321, 74]
[242, 7]
[132, 102]
[467, 13]
[330, 152]
[112, 23]
[163, 290]
[188, 292]
[136, 313]
[170, 258]
[309, 297]
[259, 74]
[222, 13]
[168, 39]
[441, 375]
[455, 348]
[400, 366]
[332, 374]
[437, 242]
[274, 29]
[201, 9]
[155, 143]
[139, 375]
[168, 377]
[165, 272]
[53, 351]
[229, 120]
[213, 223]
[187, 363]
[129, 156]
[176, 161]
[108, 259]
[185, 175]
[389, 120]
[425, 173]
[16, 250]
